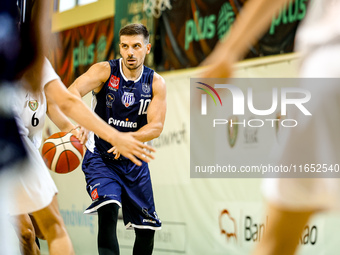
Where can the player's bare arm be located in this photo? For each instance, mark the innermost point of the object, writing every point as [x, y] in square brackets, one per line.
[40, 31]
[252, 22]
[155, 113]
[92, 80]
[76, 109]
[56, 115]
[60, 119]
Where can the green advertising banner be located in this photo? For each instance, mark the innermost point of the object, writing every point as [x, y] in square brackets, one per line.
[81, 47]
[190, 30]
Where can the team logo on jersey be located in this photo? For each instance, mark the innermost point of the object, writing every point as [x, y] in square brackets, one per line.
[110, 98]
[128, 99]
[33, 105]
[114, 82]
[146, 213]
[146, 87]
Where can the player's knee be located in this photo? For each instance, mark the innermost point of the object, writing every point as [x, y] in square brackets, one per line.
[108, 213]
[27, 236]
[53, 227]
[53, 231]
[40, 235]
[144, 242]
[145, 235]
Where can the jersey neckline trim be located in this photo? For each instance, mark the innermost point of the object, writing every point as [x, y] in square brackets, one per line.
[121, 72]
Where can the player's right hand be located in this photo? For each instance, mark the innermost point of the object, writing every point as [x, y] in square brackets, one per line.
[219, 64]
[83, 134]
[132, 149]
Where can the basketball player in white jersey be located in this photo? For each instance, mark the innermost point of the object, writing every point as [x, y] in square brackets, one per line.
[291, 202]
[34, 188]
[22, 42]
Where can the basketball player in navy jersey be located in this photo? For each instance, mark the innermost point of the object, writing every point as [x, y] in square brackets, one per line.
[132, 98]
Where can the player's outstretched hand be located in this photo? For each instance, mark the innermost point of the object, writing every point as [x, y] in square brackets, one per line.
[129, 147]
[219, 64]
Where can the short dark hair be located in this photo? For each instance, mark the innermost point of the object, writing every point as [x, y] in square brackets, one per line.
[135, 29]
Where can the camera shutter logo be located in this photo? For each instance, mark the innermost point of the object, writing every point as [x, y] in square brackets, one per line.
[204, 97]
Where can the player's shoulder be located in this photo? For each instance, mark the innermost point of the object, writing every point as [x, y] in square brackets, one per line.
[102, 64]
[113, 62]
[107, 64]
[158, 84]
[100, 69]
[158, 80]
[113, 65]
[48, 73]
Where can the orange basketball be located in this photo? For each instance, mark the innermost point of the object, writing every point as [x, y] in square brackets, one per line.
[62, 152]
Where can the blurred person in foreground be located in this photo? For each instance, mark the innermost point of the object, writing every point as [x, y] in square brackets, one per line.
[291, 202]
[31, 188]
[22, 44]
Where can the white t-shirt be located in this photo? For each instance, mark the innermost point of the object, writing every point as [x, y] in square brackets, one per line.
[30, 108]
[33, 188]
[321, 26]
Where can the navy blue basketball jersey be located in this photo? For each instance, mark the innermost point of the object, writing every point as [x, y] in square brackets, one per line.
[123, 103]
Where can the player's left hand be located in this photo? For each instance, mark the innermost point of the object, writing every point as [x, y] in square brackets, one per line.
[115, 151]
[131, 148]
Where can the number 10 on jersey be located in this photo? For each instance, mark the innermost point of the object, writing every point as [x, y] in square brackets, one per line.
[144, 103]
